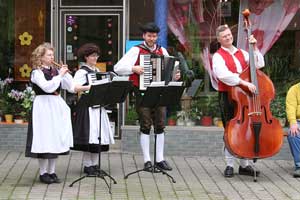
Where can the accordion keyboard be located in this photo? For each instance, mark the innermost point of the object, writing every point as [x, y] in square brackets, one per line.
[97, 78]
[146, 77]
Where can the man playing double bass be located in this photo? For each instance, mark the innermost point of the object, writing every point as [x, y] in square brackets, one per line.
[227, 63]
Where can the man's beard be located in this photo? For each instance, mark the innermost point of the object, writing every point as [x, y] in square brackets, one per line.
[151, 46]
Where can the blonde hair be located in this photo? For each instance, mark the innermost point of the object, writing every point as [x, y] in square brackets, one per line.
[221, 29]
[38, 53]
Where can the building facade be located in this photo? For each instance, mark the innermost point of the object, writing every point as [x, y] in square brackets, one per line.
[68, 24]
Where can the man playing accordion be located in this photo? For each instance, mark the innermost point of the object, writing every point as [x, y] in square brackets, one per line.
[130, 65]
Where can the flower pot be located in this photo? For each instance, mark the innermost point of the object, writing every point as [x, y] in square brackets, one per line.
[220, 123]
[190, 123]
[8, 118]
[180, 122]
[282, 121]
[171, 122]
[206, 121]
[19, 121]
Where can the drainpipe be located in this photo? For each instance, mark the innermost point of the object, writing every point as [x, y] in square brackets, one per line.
[161, 14]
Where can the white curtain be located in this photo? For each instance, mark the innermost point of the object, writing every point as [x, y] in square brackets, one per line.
[269, 19]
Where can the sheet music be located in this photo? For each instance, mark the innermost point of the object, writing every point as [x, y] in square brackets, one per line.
[157, 84]
[175, 83]
[121, 78]
[103, 81]
[176, 68]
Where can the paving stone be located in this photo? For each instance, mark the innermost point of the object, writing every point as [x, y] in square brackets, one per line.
[197, 178]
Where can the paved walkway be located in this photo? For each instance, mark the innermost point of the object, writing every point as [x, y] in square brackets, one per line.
[196, 178]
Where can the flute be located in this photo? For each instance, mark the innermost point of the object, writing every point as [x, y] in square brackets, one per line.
[58, 65]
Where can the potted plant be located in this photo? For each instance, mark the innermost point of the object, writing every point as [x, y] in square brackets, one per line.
[278, 109]
[29, 96]
[14, 102]
[195, 114]
[208, 106]
[6, 106]
[172, 120]
[131, 116]
[181, 117]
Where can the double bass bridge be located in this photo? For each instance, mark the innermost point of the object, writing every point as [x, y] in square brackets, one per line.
[254, 113]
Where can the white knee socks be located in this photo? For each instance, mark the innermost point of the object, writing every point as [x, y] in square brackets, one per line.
[229, 158]
[87, 159]
[43, 166]
[94, 157]
[51, 165]
[145, 142]
[160, 141]
[47, 166]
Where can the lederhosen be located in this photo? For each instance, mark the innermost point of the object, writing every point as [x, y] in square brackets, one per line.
[147, 116]
[49, 74]
[226, 106]
[80, 123]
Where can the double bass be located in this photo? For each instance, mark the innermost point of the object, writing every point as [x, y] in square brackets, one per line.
[253, 133]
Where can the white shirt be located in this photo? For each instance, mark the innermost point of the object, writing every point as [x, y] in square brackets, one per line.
[50, 86]
[222, 72]
[125, 64]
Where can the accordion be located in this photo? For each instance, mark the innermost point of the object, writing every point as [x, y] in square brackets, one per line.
[157, 68]
[97, 78]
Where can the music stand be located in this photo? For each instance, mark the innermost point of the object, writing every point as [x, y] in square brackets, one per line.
[101, 96]
[155, 97]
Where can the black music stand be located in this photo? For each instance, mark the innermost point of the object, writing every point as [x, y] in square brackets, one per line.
[101, 96]
[155, 97]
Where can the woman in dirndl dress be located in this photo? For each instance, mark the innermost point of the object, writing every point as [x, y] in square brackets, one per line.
[86, 120]
[50, 127]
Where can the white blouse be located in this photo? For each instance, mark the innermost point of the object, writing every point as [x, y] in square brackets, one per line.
[222, 72]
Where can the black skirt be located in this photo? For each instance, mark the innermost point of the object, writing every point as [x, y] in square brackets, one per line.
[81, 129]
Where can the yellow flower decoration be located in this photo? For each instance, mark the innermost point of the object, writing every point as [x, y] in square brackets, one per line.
[25, 38]
[41, 19]
[25, 71]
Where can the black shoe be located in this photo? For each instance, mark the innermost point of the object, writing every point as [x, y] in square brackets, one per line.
[148, 166]
[95, 167]
[296, 173]
[90, 171]
[45, 178]
[55, 178]
[228, 172]
[248, 171]
[164, 165]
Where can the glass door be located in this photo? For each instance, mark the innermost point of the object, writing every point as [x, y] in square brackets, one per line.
[100, 29]
[102, 26]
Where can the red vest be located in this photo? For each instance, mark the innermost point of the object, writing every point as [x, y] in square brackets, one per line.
[135, 78]
[231, 65]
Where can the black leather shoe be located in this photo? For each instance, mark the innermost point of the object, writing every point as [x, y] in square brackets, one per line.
[95, 167]
[164, 165]
[55, 178]
[228, 172]
[45, 178]
[148, 166]
[90, 171]
[248, 171]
